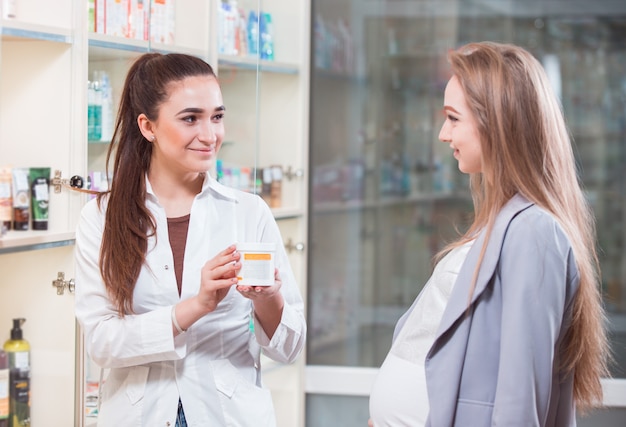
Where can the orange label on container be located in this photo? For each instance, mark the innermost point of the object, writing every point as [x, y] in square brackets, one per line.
[257, 257]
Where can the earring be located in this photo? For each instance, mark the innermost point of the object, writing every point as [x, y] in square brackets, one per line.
[152, 138]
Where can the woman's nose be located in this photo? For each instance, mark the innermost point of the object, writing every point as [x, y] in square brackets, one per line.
[208, 133]
[444, 133]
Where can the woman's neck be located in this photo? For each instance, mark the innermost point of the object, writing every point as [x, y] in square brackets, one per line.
[176, 195]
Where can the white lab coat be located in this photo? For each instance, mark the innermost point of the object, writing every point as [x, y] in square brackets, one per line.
[215, 366]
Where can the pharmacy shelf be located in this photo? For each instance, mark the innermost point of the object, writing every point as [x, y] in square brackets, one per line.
[14, 30]
[19, 241]
[287, 213]
[388, 201]
[103, 47]
[229, 62]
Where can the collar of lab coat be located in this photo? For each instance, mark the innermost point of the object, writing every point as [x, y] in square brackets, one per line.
[209, 186]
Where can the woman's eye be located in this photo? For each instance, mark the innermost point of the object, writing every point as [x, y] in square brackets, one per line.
[189, 119]
[452, 118]
[218, 117]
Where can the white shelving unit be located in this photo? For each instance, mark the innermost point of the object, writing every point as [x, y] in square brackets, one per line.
[47, 55]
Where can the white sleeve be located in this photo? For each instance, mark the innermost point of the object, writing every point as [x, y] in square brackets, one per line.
[112, 341]
[290, 336]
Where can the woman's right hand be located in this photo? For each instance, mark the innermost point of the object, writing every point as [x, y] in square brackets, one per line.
[217, 276]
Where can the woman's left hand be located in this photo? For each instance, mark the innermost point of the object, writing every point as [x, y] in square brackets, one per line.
[268, 303]
[257, 293]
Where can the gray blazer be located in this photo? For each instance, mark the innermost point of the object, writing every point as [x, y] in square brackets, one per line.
[498, 363]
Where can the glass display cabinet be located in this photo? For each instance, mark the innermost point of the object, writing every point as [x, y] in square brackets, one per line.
[386, 195]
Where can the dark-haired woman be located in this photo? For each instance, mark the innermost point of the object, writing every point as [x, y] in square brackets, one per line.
[157, 293]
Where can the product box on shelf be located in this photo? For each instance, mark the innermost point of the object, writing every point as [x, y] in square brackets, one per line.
[266, 182]
[338, 183]
[244, 33]
[134, 19]
[24, 198]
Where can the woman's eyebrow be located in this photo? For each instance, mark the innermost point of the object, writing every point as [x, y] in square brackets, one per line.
[200, 110]
[448, 108]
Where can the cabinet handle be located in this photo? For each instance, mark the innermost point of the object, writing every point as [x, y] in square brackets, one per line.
[76, 182]
[290, 246]
[60, 283]
[292, 173]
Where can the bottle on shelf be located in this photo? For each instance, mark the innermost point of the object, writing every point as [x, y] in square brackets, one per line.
[226, 29]
[18, 351]
[319, 42]
[39, 179]
[253, 33]
[6, 201]
[94, 111]
[106, 106]
[9, 9]
[241, 40]
[4, 389]
[21, 199]
[267, 37]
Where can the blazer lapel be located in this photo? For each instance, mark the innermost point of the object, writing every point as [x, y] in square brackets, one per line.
[459, 299]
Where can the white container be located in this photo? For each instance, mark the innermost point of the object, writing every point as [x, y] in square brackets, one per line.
[257, 264]
[8, 9]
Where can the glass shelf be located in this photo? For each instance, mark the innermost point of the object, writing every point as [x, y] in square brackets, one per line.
[389, 201]
[103, 47]
[287, 213]
[20, 241]
[229, 62]
[15, 30]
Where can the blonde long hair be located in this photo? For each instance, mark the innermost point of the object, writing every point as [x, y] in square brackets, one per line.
[526, 149]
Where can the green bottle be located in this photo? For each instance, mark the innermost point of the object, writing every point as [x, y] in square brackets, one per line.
[18, 350]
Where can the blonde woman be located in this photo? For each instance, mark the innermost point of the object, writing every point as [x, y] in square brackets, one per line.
[509, 330]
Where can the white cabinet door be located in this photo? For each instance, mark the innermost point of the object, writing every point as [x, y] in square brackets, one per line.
[26, 291]
[40, 98]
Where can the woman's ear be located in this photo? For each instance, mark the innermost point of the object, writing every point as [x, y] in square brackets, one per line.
[145, 127]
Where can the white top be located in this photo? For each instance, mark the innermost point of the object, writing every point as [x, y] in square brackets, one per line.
[215, 366]
[399, 396]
